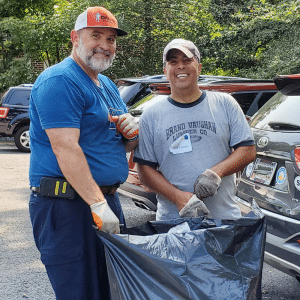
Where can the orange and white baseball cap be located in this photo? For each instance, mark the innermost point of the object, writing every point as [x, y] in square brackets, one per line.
[98, 16]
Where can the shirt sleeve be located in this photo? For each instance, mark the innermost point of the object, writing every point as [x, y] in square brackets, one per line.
[59, 103]
[144, 153]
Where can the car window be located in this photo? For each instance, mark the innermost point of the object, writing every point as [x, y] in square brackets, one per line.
[3, 96]
[264, 98]
[146, 102]
[244, 99]
[19, 97]
[140, 95]
[280, 111]
[128, 91]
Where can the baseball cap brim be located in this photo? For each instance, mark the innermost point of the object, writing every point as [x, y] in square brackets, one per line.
[120, 32]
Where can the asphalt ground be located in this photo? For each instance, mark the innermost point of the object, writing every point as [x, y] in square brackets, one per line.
[23, 276]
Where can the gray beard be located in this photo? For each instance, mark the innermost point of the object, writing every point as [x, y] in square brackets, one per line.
[96, 64]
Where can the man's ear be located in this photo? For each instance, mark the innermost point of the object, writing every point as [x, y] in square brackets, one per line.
[166, 73]
[199, 69]
[74, 37]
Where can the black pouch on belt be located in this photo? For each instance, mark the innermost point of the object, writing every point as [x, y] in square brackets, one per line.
[56, 187]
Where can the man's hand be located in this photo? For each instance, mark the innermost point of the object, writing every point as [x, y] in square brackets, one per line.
[104, 217]
[126, 125]
[194, 208]
[207, 184]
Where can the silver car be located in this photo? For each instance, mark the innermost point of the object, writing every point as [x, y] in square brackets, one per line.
[273, 179]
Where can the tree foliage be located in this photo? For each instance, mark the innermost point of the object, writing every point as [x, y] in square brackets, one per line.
[42, 36]
[254, 38]
[150, 24]
[255, 42]
[20, 8]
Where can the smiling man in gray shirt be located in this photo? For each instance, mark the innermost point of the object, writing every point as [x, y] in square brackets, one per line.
[192, 143]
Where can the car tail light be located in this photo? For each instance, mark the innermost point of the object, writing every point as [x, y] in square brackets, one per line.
[297, 157]
[3, 112]
[295, 240]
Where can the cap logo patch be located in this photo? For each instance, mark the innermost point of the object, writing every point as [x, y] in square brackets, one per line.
[94, 18]
[98, 17]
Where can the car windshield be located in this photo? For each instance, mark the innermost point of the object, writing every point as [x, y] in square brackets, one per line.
[281, 112]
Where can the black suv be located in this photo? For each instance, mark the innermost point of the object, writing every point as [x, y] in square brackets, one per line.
[14, 115]
[134, 89]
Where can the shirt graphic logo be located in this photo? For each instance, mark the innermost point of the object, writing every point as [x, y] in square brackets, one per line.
[195, 129]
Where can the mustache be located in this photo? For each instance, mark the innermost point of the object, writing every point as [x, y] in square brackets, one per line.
[101, 51]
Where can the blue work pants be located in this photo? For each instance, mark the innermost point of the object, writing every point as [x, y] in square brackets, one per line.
[70, 249]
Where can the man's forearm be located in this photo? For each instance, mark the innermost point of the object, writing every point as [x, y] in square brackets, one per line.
[130, 145]
[74, 167]
[236, 161]
[158, 183]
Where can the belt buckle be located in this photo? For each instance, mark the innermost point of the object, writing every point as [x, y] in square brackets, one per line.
[35, 189]
[110, 190]
[114, 188]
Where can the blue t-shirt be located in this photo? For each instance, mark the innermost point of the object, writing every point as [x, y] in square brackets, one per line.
[64, 96]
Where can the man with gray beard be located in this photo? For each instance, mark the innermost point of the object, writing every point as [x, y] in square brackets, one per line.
[80, 131]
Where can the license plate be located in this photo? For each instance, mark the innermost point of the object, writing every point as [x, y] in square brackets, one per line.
[263, 171]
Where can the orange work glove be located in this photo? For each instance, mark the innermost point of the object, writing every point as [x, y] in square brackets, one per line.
[104, 217]
[126, 125]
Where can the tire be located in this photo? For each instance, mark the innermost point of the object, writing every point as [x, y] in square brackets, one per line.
[22, 139]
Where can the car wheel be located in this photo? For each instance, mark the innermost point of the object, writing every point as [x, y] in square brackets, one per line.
[22, 139]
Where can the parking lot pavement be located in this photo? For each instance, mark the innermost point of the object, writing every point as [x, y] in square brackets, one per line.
[23, 276]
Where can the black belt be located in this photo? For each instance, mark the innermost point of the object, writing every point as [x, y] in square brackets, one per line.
[108, 189]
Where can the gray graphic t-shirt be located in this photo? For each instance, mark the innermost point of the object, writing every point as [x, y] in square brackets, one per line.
[183, 140]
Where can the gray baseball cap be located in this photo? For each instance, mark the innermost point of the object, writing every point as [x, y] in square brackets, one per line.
[187, 47]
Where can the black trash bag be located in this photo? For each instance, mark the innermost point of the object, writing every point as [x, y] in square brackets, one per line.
[187, 258]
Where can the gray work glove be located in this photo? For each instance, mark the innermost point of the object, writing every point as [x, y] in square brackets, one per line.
[104, 217]
[194, 208]
[207, 184]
